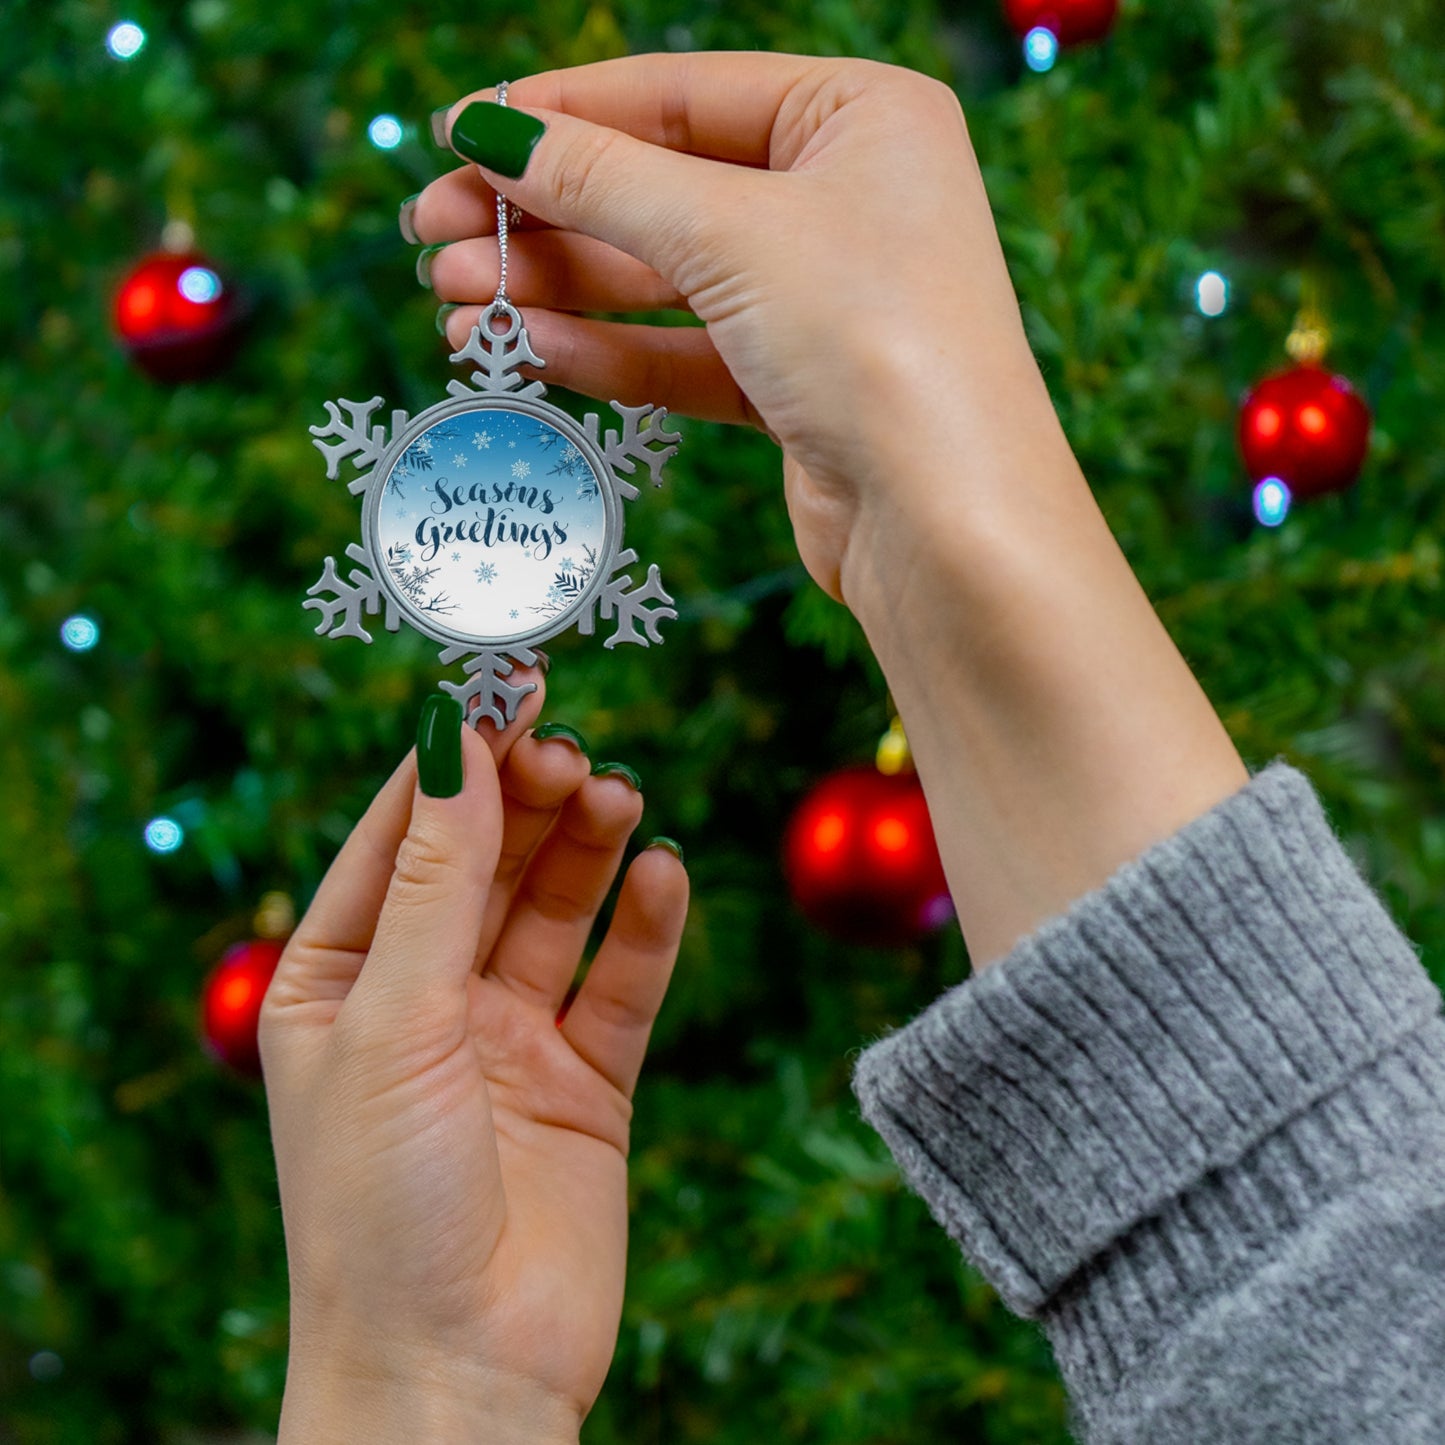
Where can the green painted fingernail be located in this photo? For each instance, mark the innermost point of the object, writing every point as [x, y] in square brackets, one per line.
[404, 219]
[439, 125]
[439, 747]
[617, 770]
[443, 311]
[561, 730]
[496, 136]
[671, 844]
[423, 262]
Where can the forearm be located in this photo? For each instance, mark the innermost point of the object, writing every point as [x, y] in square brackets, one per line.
[1057, 730]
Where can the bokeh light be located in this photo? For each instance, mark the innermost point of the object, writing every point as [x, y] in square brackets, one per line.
[80, 633]
[385, 132]
[1041, 48]
[199, 284]
[1271, 502]
[164, 835]
[1211, 294]
[126, 40]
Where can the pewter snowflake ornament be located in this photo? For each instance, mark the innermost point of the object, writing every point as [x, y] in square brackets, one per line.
[492, 521]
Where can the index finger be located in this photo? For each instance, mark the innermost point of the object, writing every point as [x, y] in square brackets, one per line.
[724, 105]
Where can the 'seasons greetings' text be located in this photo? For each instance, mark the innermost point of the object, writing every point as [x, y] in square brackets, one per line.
[501, 516]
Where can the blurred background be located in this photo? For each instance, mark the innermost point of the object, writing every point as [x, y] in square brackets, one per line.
[1196, 198]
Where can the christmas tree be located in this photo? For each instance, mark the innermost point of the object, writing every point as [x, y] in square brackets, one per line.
[178, 744]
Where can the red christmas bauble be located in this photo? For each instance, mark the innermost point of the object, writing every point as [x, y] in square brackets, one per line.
[1307, 427]
[861, 860]
[1073, 22]
[175, 317]
[231, 1003]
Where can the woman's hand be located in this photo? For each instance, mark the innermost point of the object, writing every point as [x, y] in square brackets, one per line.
[825, 218]
[452, 1159]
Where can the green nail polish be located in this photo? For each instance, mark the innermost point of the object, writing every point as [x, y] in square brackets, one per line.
[561, 730]
[404, 220]
[443, 311]
[439, 747]
[496, 136]
[671, 844]
[617, 770]
[439, 125]
[423, 262]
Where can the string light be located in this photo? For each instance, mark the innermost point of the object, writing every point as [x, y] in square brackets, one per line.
[164, 835]
[1271, 502]
[80, 633]
[1041, 48]
[126, 40]
[385, 132]
[199, 284]
[1211, 294]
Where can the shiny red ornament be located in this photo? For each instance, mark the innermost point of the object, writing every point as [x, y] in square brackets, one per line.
[1307, 427]
[861, 860]
[231, 1003]
[176, 317]
[1072, 22]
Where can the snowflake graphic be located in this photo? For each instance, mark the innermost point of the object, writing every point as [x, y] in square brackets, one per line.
[400, 554]
[512, 613]
[460, 460]
[521, 470]
[486, 572]
[567, 564]
[511, 443]
[456, 556]
[482, 440]
[423, 444]
[571, 454]
[403, 515]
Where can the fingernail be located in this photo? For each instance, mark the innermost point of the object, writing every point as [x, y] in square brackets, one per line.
[439, 125]
[496, 136]
[439, 747]
[423, 263]
[405, 222]
[543, 661]
[443, 311]
[561, 730]
[671, 844]
[617, 770]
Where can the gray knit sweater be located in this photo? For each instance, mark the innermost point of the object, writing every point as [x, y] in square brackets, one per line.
[1196, 1126]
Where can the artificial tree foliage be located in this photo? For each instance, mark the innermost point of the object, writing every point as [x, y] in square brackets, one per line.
[783, 1284]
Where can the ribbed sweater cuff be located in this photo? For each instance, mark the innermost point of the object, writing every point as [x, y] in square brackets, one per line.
[1223, 983]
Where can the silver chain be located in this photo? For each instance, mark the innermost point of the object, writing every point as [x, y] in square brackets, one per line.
[501, 299]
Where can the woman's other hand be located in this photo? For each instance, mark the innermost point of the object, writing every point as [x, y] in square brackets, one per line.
[452, 1156]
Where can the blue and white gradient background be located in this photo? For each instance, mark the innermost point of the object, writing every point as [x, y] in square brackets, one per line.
[491, 523]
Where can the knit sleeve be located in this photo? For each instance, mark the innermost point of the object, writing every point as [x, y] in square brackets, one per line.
[1196, 1126]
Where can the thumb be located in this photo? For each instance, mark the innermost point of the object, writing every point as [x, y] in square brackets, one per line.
[421, 954]
[649, 201]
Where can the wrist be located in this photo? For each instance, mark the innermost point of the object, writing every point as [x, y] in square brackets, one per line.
[408, 1399]
[950, 480]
